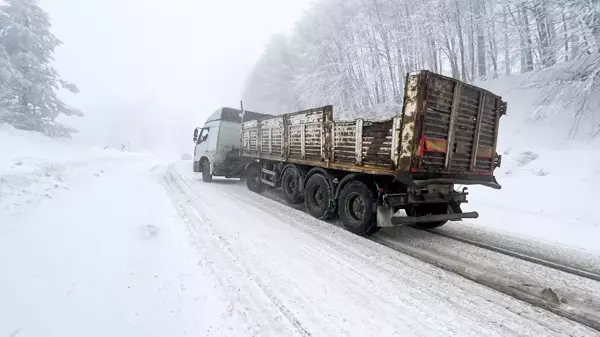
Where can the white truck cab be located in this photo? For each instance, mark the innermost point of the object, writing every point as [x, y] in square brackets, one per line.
[216, 144]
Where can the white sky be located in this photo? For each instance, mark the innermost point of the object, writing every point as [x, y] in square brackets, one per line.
[160, 67]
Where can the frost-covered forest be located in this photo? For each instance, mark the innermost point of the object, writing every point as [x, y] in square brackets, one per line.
[29, 85]
[355, 54]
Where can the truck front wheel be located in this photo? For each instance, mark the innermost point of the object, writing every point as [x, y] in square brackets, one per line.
[356, 209]
[253, 179]
[206, 175]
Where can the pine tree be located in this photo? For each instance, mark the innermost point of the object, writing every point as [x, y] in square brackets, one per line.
[31, 92]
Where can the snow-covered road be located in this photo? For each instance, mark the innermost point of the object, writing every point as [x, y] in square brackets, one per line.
[108, 256]
[316, 279]
[135, 247]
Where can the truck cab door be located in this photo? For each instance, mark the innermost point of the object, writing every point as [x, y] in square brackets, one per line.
[202, 142]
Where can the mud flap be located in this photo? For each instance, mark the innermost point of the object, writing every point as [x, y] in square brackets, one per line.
[384, 216]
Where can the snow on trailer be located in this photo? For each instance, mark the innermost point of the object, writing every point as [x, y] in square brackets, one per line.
[445, 135]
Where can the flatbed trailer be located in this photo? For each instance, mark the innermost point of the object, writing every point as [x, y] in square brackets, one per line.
[374, 174]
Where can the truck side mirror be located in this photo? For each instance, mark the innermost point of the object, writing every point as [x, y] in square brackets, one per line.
[195, 135]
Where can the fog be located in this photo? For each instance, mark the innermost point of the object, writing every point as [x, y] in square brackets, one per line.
[150, 71]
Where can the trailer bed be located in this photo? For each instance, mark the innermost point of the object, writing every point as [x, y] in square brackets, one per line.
[446, 128]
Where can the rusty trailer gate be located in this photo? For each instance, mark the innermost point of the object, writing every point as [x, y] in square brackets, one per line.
[446, 128]
[458, 128]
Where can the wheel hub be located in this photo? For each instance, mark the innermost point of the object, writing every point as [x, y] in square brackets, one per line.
[318, 196]
[291, 184]
[356, 207]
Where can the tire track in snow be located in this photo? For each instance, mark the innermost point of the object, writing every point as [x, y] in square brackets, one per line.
[580, 314]
[174, 183]
[384, 300]
[373, 276]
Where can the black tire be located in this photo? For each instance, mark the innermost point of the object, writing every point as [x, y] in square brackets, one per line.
[206, 175]
[318, 197]
[430, 209]
[290, 186]
[356, 209]
[253, 179]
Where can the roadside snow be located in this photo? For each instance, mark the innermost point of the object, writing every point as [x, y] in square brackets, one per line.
[546, 195]
[90, 245]
[34, 167]
[108, 257]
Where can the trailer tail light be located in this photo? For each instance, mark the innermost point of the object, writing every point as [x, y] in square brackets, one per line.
[497, 161]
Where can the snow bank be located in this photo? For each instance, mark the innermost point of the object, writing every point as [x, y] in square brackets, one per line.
[33, 166]
[549, 176]
[109, 257]
[549, 195]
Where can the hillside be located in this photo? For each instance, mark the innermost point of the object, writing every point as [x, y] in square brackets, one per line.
[549, 175]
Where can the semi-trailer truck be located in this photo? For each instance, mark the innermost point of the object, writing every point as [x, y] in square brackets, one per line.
[370, 174]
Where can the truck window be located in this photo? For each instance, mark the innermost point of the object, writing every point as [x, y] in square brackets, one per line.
[203, 135]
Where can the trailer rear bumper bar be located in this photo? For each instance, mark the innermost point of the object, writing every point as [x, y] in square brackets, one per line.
[403, 199]
[422, 180]
[406, 220]
[493, 184]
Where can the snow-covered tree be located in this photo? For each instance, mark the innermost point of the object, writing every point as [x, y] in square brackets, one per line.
[271, 84]
[355, 54]
[6, 68]
[30, 93]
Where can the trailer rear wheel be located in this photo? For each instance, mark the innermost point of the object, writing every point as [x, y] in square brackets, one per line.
[318, 197]
[206, 175]
[428, 209]
[290, 185]
[356, 209]
[253, 179]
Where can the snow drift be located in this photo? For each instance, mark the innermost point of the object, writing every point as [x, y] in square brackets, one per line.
[549, 173]
[33, 166]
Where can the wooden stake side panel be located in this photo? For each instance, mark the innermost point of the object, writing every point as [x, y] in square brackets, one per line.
[312, 137]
